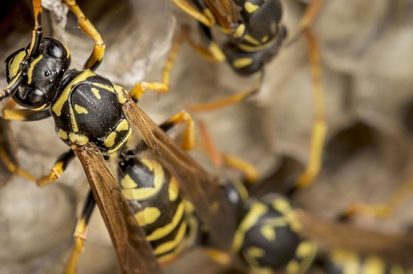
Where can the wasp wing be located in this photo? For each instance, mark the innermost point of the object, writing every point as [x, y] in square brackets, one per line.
[134, 252]
[225, 11]
[330, 235]
[199, 187]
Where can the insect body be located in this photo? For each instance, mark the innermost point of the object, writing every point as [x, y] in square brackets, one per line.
[158, 205]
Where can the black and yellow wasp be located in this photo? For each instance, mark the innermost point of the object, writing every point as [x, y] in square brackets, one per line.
[253, 34]
[98, 120]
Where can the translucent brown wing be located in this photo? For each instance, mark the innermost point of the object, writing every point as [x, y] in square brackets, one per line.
[328, 234]
[134, 252]
[225, 11]
[199, 187]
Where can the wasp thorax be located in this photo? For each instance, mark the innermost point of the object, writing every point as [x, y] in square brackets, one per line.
[42, 72]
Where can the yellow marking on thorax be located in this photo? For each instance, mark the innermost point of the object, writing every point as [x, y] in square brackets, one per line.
[122, 126]
[58, 105]
[173, 243]
[164, 231]
[31, 67]
[255, 252]
[346, 260]
[147, 216]
[281, 205]
[80, 110]
[268, 232]
[293, 267]
[110, 139]
[239, 31]
[305, 249]
[250, 7]
[242, 62]
[121, 94]
[78, 139]
[249, 221]
[103, 86]
[373, 265]
[143, 193]
[243, 192]
[127, 182]
[252, 40]
[173, 190]
[216, 52]
[120, 144]
[15, 64]
[62, 134]
[264, 39]
[96, 92]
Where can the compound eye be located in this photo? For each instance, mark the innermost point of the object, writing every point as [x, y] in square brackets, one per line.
[55, 51]
[36, 98]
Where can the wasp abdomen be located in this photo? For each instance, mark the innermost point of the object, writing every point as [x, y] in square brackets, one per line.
[156, 200]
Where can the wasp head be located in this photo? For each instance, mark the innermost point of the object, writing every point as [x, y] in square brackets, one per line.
[39, 73]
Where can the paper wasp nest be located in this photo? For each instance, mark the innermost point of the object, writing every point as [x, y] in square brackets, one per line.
[366, 51]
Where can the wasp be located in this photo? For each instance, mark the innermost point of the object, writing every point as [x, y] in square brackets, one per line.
[97, 120]
[253, 34]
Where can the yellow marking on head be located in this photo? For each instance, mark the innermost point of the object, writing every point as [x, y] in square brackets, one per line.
[78, 139]
[173, 190]
[120, 144]
[347, 260]
[396, 269]
[168, 246]
[31, 67]
[257, 210]
[15, 64]
[143, 193]
[122, 126]
[121, 93]
[62, 134]
[127, 182]
[105, 87]
[161, 232]
[239, 31]
[216, 52]
[373, 265]
[80, 109]
[110, 139]
[250, 7]
[148, 216]
[252, 40]
[256, 47]
[96, 92]
[58, 105]
[268, 232]
[293, 267]
[242, 62]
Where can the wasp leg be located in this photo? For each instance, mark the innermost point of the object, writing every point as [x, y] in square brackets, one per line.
[80, 234]
[310, 15]
[140, 88]
[218, 256]
[218, 159]
[212, 52]
[384, 210]
[24, 114]
[319, 130]
[37, 30]
[87, 27]
[193, 12]
[13, 168]
[188, 136]
[228, 101]
[57, 170]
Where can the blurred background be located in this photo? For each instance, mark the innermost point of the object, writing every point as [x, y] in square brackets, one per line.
[366, 52]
